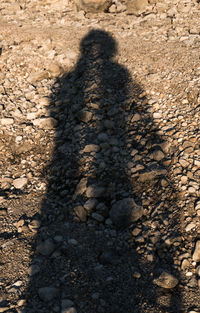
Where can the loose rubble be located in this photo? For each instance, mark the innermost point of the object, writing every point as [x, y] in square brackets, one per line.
[99, 150]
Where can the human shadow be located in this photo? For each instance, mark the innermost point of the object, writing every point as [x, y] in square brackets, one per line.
[88, 253]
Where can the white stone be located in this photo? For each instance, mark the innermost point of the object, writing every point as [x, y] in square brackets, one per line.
[20, 183]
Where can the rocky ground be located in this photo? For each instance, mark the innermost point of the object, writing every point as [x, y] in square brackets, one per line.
[100, 158]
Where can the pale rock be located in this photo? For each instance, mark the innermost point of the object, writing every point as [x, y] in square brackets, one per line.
[136, 7]
[157, 115]
[45, 122]
[7, 121]
[38, 76]
[166, 280]
[20, 183]
[190, 226]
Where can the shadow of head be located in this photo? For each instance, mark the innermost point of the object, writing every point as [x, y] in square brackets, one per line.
[98, 44]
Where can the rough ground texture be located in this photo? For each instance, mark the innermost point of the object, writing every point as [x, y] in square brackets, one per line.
[99, 158]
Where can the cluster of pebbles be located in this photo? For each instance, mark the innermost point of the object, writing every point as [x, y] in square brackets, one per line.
[100, 166]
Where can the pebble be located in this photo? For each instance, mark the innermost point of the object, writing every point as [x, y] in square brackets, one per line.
[20, 183]
[81, 213]
[166, 280]
[46, 247]
[73, 242]
[125, 211]
[66, 303]
[6, 121]
[190, 226]
[45, 123]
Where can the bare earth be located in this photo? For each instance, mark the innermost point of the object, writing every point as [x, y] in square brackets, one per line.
[99, 158]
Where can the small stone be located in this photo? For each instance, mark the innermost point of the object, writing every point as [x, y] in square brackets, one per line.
[184, 180]
[33, 269]
[189, 274]
[73, 242]
[81, 213]
[90, 204]
[93, 5]
[18, 283]
[157, 115]
[136, 117]
[34, 225]
[38, 76]
[6, 121]
[184, 163]
[158, 155]
[150, 175]
[196, 254]
[185, 264]
[136, 231]
[192, 282]
[136, 7]
[166, 280]
[84, 116]
[136, 275]
[46, 247]
[91, 148]
[125, 211]
[98, 217]
[21, 302]
[102, 137]
[4, 309]
[58, 238]
[80, 188]
[95, 191]
[20, 183]
[55, 70]
[66, 303]
[190, 226]
[45, 122]
[47, 294]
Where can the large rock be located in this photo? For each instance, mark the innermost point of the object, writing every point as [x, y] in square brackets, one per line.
[125, 211]
[93, 5]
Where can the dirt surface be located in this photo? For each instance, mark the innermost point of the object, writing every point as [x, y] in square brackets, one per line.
[99, 158]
